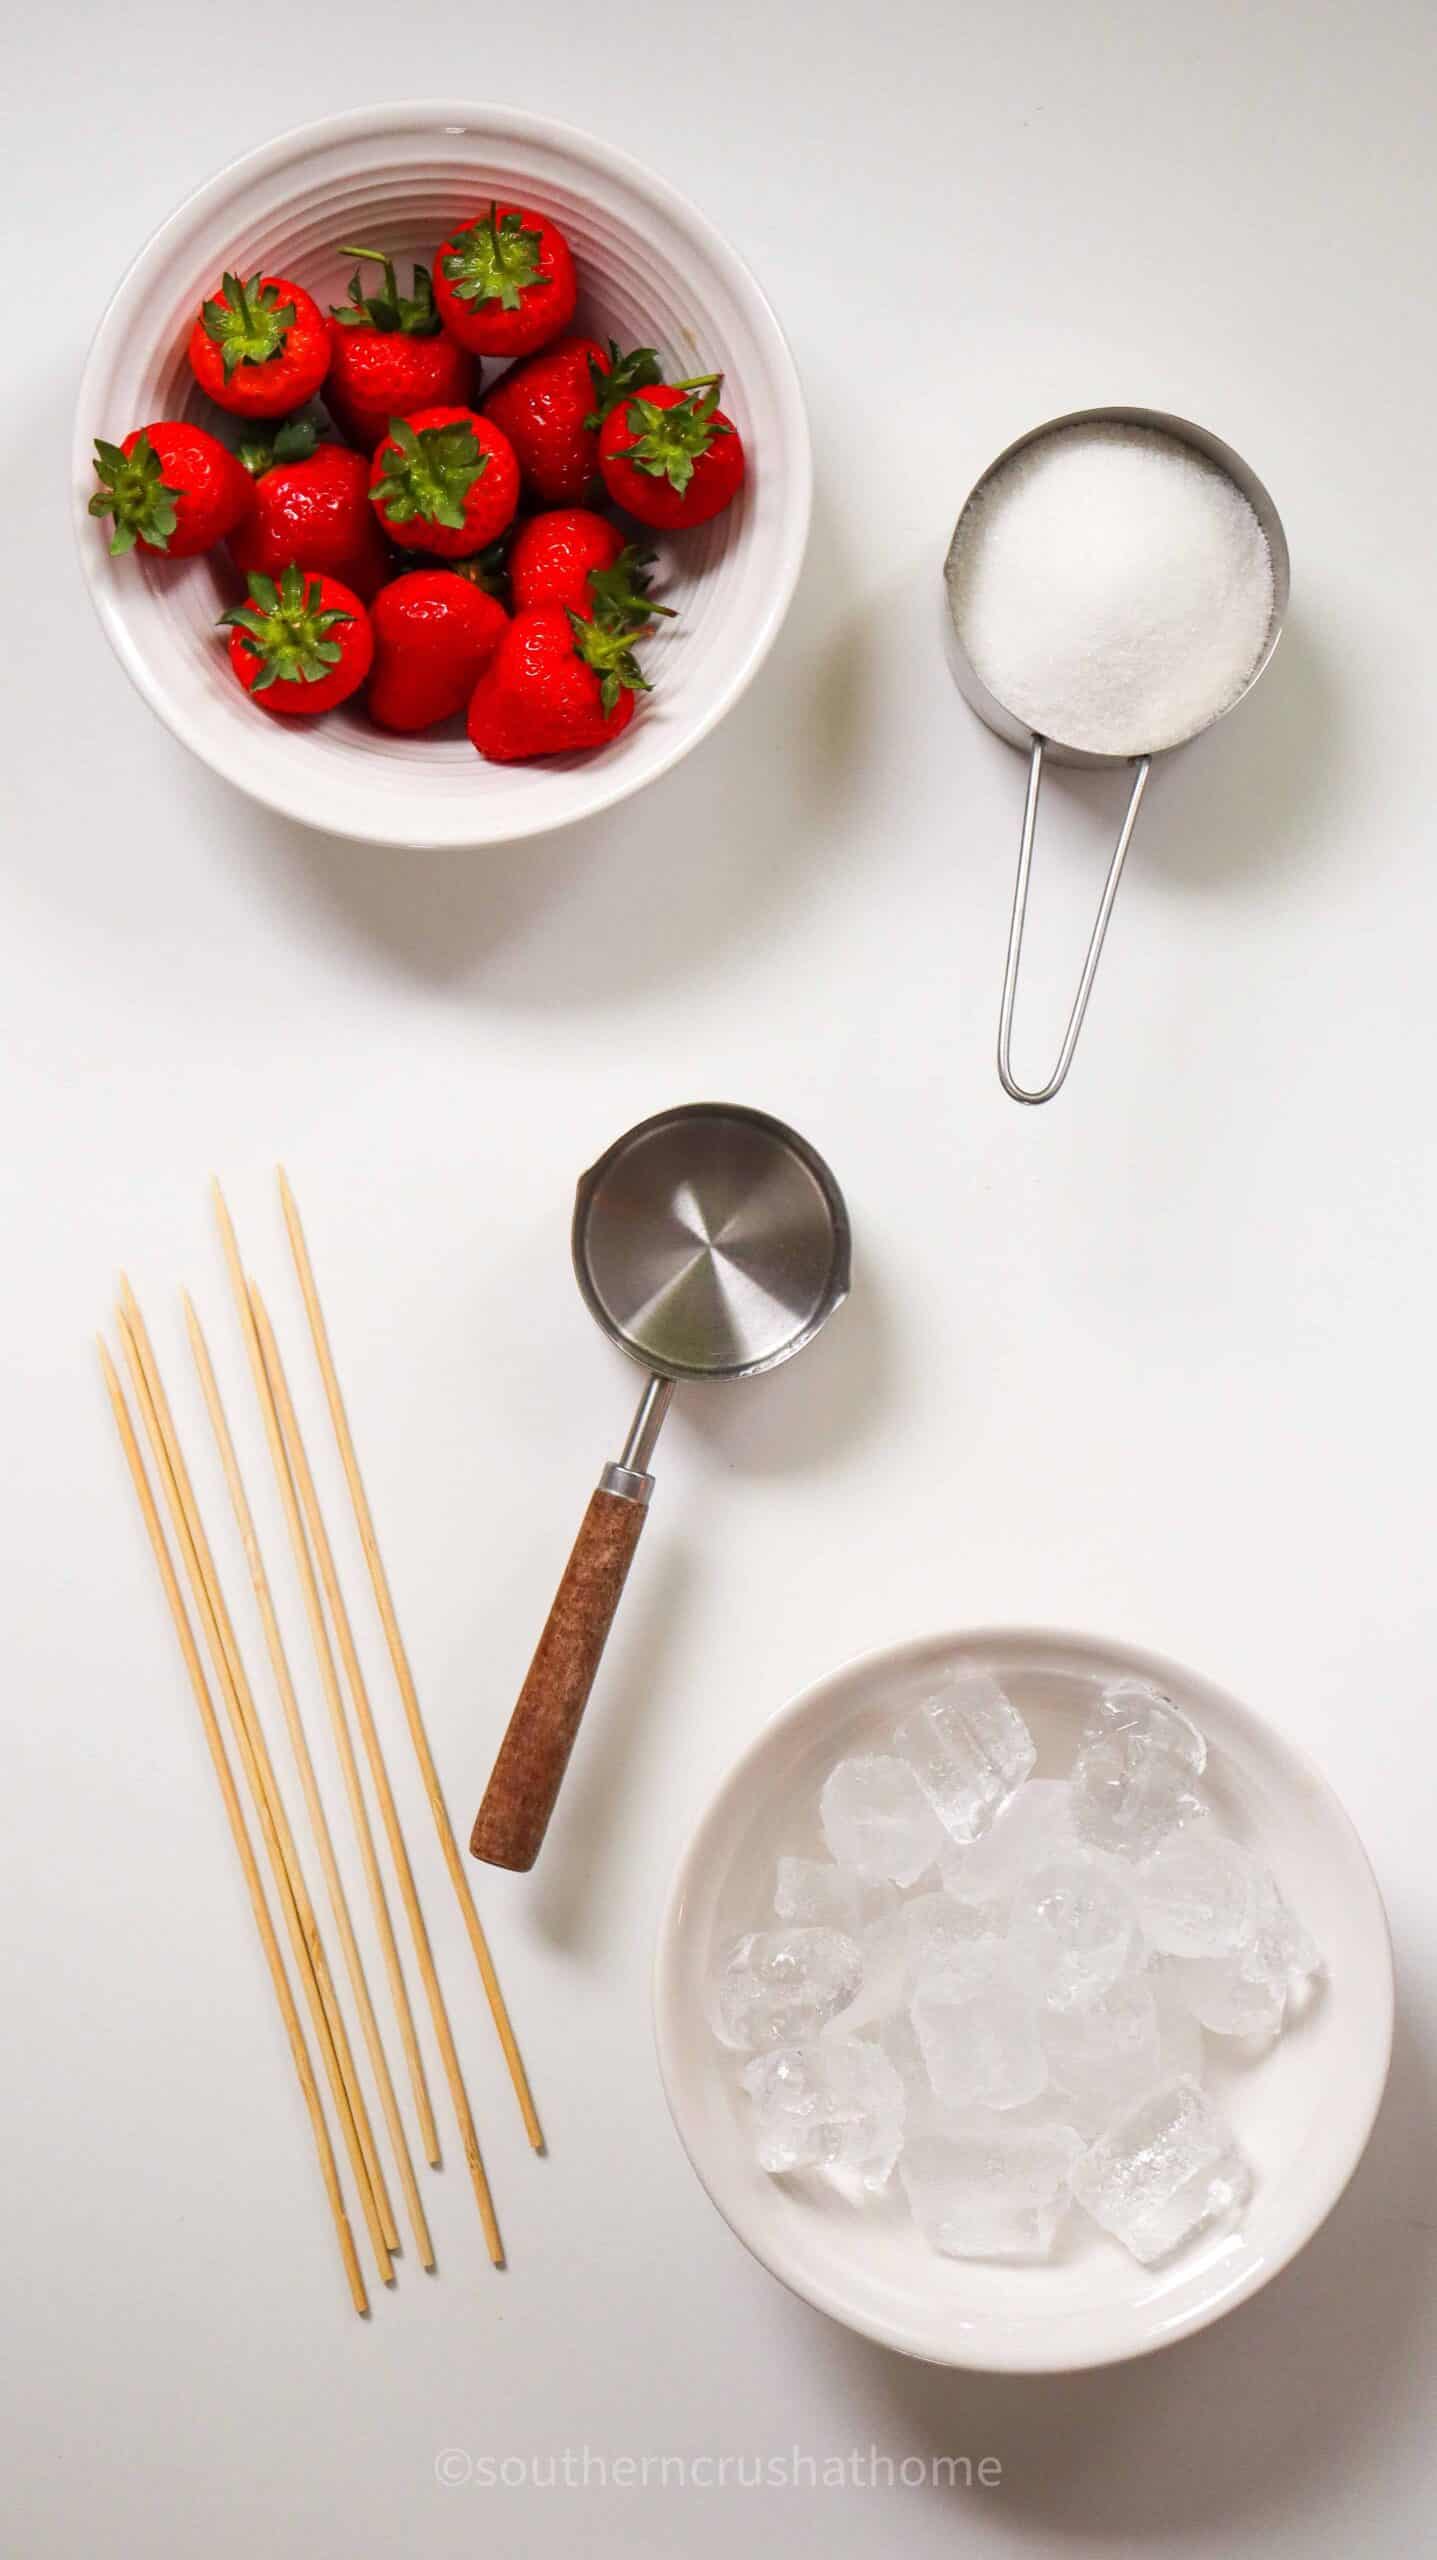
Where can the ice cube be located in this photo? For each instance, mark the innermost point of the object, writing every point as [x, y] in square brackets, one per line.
[1073, 1926]
[819, 1895]
[1197, 1895]
[878, 1821]
[1034, 1823]
[916, 1938]
[1138, 1706]
[835, 2105]
[1164, 2171]
[899, 2041]
[1280, 1949]
[977, 2029]
[1128, 1792]
[1109, 2051]
[779, 1986]
[1179, 2032]
[993, 2190]
[970, 1750]
[1229, 2001]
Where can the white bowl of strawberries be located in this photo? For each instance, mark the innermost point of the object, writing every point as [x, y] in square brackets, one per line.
[440, 476]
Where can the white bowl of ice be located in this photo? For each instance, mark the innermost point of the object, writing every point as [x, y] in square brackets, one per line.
[1299, 2107]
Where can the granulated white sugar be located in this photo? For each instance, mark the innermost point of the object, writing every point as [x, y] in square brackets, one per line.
[1112, 587]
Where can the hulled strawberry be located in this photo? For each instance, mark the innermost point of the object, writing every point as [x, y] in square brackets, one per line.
[555, 684]
[505, 282]
[170, 487]
[300, 645]
[552, 407]
[670, 457]
[311, 506]
[445, 481]
[579, 560]
[388, 354]
[434, 634]
[260, 349]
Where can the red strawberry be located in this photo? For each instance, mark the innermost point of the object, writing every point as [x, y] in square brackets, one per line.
[581, 561]
[505, 282]
[444, 480]
[554, 684]
[170, 487]
[311, 506]
[434, 634]
[260, 349]
[388, 354]
[551, 410]
[670, 456]
[301, 645]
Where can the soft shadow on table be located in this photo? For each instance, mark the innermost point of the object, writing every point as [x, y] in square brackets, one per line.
[1299, 2387]
[651, 892]
[1238, 804]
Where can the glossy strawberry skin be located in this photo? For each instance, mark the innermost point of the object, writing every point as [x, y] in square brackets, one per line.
[287, 701]
[434, 635]
[542, 406]
[717, 474]
[545, 310]
[317, 513]
[212, 491]
[378, 374]
[553, 557]
[284, 381]
[489, 503]
[538, 698]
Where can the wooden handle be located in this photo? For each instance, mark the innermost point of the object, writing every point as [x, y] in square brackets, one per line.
[525, 1781]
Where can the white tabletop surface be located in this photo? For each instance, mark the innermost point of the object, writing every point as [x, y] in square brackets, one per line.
[1155, 1361]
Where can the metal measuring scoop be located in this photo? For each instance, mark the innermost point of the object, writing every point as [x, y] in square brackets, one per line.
[1139, 755]
[710, 1242]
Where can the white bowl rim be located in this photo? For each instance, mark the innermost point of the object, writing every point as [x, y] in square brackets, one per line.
[670, 2007]
[503, 124]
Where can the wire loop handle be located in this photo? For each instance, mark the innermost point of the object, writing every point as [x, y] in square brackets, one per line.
[1045, 1092]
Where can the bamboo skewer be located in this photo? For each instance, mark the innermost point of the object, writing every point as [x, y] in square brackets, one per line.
[284, 1682]
[333, 1696]
[294, 1901]
[339, 1615]
[299, 2051]
[384, 1601]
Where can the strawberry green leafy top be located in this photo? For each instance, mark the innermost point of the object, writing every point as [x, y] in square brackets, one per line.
[136, 493]
[621, 592]
[627, 374]
[251, 324]
[669, 441]
[412, 315]
[288, 630]
[609, 649]
[428, 474]
[496, 260]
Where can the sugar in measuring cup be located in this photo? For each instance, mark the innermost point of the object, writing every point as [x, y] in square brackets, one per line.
[1116, 582]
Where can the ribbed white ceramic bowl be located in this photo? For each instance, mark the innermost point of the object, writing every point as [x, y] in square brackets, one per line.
[652, 272]
[1302, 2113]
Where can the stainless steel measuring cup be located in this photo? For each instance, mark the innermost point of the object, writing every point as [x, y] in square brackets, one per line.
[1139, 755]
[709, 1242]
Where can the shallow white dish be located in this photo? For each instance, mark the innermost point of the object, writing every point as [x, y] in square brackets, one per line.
[1303, 2112]
[652, 271]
